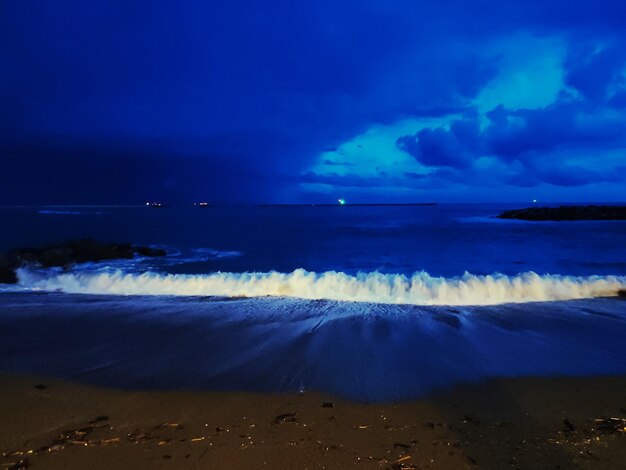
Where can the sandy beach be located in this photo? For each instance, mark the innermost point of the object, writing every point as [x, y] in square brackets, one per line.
[508, 423]
[145, 382]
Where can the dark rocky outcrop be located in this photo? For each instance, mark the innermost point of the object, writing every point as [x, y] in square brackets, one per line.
[69, 253]
[7, 272]
[148, 251]
[567, 213]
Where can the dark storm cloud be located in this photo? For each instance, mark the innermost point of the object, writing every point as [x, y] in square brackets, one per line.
[379, 181]
[130, 100]
[334, 163]
[593, 73]
[455, 147]
[512, 134]
[348, 180]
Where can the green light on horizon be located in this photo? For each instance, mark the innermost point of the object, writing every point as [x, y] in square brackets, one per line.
[342, 202]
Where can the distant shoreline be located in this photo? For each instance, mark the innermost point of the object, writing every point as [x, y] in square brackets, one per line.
[349, 204]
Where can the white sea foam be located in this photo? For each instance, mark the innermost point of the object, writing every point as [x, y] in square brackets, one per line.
[57, 212]
[418, 289]
[202, 254]
[66, 212]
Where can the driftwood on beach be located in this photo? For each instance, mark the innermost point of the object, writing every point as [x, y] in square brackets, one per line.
[69, 253]
[567, 213]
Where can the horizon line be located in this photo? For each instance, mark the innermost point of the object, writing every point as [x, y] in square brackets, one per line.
[303, 204]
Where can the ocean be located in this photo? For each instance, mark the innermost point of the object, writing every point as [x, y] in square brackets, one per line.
[374, 303]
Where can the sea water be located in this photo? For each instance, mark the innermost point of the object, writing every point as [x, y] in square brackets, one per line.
[372, 302]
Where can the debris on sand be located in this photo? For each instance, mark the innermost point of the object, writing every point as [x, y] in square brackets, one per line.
[21, 464]
[605, 426]
[569, 427]
[286, 418]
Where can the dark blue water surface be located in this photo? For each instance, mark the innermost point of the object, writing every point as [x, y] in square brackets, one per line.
[445, 240]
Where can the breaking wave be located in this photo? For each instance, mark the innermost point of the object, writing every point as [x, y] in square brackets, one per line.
[419, 289]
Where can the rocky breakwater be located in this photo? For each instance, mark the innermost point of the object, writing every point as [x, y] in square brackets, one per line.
[67, 254]
[566, 213]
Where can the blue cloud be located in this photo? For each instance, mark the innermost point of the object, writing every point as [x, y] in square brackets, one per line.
[563, 144]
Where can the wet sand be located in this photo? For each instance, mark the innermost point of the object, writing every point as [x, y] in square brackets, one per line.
[365, 352]
[507, 423]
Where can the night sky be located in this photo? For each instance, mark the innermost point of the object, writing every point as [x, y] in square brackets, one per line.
[298, 101]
